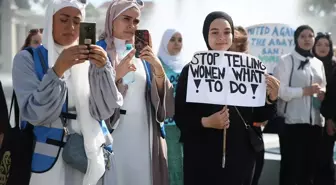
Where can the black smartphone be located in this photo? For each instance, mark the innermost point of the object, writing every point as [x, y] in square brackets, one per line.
[141, 41]
[87, 33]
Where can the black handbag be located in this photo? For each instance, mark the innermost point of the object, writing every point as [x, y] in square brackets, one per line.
[17, 151]
[256, 140]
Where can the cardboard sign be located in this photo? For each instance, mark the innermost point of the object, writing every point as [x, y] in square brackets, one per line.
[226, 78]
[269, 42]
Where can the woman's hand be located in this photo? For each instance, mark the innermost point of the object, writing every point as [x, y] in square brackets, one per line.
[148, 55]
[218, 120]
[125, 65]
[98, 56]
[272, 87]
[69, 57]
[331, 128]
[321, 96]
[310, 90]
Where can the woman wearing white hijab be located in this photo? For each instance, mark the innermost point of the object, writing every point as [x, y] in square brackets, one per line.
[78, 75]
[171, 59]
[139, 146]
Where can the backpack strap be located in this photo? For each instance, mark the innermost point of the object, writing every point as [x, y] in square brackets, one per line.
[148, 73]
[102, 44]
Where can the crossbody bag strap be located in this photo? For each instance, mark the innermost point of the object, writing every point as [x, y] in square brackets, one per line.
[290, 80]
[241, 117]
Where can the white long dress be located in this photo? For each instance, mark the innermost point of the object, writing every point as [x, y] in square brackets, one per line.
[132, 136]
[61, 173]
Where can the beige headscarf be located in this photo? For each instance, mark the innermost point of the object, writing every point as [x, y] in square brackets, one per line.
[116, 8]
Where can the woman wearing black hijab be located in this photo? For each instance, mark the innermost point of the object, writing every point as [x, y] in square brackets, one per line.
[202, 125]
[302, 88]
[323, 50]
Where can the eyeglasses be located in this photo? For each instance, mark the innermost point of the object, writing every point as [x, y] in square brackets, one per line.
[34, 31]
[326, 34]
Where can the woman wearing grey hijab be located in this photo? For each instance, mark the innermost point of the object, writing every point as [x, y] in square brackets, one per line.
[139, 144]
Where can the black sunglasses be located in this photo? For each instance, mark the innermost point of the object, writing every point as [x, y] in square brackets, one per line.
[34, 31]
[83, 1]
[326, 34]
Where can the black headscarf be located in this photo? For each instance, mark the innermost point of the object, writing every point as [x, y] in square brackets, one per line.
[330, 54]
[210, 18]
[302, 52]
[327, 60]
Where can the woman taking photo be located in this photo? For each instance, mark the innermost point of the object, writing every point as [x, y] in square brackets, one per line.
[139, 144]
[82, 80]
[202, 125]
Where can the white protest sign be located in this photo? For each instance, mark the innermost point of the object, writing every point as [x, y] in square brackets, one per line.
[269, 42]
[226, 78]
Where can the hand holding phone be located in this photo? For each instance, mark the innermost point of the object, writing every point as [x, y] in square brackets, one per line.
[87, 33]
[141, 41]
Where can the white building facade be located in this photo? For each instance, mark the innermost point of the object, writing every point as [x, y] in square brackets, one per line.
[14, 27]
[15, 24]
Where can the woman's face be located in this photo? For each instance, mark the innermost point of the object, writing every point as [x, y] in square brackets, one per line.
[125, 24]
[36, 40]
[220, 35]
[322, 47]
[306, 40]
[66, 25]
[175, 44]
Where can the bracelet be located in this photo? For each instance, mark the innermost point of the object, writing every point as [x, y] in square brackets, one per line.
[160, 76]
[271, 101]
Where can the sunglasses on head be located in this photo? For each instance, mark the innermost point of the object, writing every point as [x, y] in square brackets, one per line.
[138, 2]
[34, 31]
[326, 34]
[80, 1]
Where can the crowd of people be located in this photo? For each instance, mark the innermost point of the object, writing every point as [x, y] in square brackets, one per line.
[144, 132]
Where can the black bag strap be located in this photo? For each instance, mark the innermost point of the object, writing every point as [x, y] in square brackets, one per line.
[4, 121]
[290, 80]
[14, 104]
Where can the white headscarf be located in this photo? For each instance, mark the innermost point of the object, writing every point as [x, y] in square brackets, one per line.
[79, 81]
[47, 39]
[174, 62]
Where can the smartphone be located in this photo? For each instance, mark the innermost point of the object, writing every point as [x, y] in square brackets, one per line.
[87, 33]
[141, 41]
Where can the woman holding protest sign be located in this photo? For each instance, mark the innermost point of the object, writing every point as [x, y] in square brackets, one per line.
[202, 124]
[171, 59]
[303, 84]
